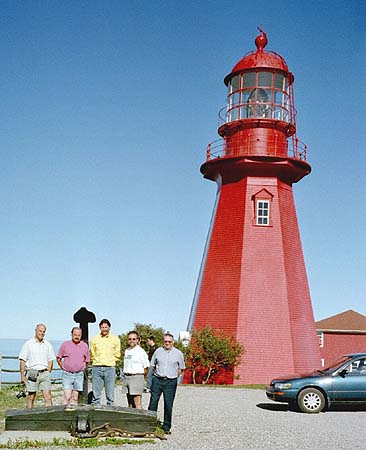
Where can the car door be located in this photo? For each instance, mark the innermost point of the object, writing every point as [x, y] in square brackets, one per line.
[350, 383]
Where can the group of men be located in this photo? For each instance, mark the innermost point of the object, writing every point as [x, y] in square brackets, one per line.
[162, 367]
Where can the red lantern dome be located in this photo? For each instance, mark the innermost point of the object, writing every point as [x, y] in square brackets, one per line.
[259, 59]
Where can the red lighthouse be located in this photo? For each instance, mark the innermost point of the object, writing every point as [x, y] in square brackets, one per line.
[252, 283]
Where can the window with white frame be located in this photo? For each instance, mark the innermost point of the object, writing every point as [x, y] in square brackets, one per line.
[262, 212]
[321, 338]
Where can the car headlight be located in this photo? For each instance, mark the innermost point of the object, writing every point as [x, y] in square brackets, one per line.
[282, 385]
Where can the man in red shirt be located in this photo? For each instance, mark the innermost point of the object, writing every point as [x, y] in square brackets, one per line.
[73, 357]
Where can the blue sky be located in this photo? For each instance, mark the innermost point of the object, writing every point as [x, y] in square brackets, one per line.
[106, 111]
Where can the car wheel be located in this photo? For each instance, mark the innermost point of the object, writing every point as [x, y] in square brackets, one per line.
[311, 401]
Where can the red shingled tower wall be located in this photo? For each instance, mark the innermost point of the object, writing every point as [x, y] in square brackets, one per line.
[253, 281]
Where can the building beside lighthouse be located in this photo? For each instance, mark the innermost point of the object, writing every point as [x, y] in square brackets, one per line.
[252, 282]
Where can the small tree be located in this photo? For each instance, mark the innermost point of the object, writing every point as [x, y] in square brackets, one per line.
[211, 350]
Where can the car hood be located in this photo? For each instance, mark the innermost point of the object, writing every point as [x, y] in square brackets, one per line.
[296, 376]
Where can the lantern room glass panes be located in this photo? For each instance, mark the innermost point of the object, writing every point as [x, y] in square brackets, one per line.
[258, 104]
[278, 81]
[249, 79]
[235, 83]
[265, 79]
[262, 94]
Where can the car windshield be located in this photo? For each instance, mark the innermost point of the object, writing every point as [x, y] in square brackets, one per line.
[337, 363]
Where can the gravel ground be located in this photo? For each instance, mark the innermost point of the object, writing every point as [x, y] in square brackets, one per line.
[228, 418]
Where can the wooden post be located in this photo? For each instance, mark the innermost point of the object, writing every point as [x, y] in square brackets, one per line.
[83, 317]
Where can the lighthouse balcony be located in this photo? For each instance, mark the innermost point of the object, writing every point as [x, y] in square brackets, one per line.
[252, 146]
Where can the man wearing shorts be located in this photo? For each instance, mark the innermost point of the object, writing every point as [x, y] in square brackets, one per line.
[135, 367]
[36, 362]
[72, 358]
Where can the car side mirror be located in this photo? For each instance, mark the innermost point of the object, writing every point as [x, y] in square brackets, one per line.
[343, 373]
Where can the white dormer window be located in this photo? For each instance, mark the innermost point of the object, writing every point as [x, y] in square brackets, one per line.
[262, 201]
[263, 212]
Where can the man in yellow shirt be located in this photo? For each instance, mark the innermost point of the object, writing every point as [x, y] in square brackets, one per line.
[105, 350]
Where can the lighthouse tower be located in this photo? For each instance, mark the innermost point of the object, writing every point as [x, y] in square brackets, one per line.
[252, 282]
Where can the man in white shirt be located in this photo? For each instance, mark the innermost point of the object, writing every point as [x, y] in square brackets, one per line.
[135, 367]
[36, 362]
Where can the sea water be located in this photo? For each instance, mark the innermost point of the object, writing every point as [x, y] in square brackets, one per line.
[11, 347]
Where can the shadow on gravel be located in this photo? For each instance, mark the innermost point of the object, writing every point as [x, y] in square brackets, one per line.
[333, 408]
[347, 408]
[274, 406]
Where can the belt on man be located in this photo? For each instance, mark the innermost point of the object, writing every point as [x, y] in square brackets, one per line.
[42, 370]
[131, 374]
[163, 378]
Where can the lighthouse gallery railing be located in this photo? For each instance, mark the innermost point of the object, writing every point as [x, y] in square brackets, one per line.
[221, 148]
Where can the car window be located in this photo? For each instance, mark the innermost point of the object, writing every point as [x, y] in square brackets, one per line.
[357, 367]
[337, 363]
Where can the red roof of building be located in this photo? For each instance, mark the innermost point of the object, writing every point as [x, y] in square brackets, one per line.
[346, 321]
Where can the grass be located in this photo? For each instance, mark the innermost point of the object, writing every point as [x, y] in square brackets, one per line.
[9, 400]
[73, 443]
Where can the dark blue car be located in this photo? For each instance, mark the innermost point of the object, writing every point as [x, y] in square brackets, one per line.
[344, 381]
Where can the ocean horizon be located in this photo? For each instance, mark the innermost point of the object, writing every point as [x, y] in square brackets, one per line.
[11, 348]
